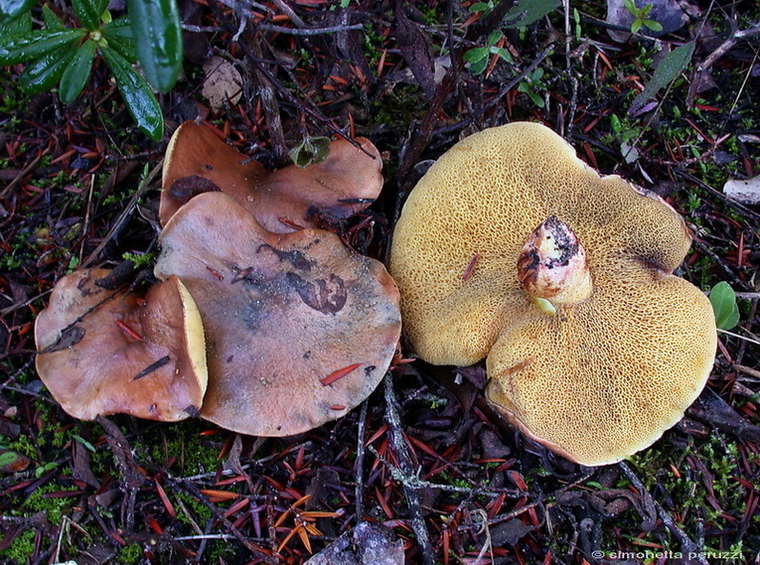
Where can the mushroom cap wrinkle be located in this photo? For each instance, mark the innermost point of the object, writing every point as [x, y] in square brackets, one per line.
[300, 329]
[344, 183]
[102, 352]
[604, 375]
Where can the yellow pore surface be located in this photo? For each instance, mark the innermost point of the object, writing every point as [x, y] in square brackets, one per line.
[598, 380]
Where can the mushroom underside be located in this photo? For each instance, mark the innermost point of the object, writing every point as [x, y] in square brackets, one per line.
[604, 379]
[474, 285]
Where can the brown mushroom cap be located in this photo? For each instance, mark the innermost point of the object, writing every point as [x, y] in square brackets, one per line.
[603, 376]
[286, 315]
[197, 161]
[103, 352]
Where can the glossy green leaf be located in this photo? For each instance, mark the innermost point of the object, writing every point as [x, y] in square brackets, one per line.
[158, 36]
[723, 300]
[85, 443]
[44, 73]
[137, 95]
[478, 66]
[494, 37]
[119, 36]
[672, 65]
[475, 54]
[77, 72]
[35, 44]
[120, 26]
[87, 13]
[503, 53]
[19, 26]
[479, 7]
[11, 10]
[51, 19]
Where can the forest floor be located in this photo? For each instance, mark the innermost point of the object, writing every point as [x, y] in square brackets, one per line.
[423, 457]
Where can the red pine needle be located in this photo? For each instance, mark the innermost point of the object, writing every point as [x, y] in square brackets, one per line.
[215, 273]
[470, 267]
[339, 374]
[127, 330]
[165, 500]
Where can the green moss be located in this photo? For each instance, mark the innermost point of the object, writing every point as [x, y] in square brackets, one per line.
[140, 260]
[130, 554]
[54, 507]
[21, 444]
[195, 454]
[20, 550]
[219, 551]
[19, 255]
[197, 509]
[690, 486]
[373, 45]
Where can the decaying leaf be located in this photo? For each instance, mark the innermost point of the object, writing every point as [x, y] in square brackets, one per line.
[666, 72]
[366, 543]
[223, 83]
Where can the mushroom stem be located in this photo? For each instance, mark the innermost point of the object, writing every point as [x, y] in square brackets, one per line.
[552, 266]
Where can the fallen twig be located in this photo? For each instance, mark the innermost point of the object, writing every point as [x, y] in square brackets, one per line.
[359, 464]
[405, 472]
[687, 545]
[125, 214]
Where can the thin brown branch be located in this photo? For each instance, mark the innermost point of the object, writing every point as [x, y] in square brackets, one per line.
[402, 454]
[688, 546]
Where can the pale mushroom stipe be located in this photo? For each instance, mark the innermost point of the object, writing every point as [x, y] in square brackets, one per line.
[511, 249]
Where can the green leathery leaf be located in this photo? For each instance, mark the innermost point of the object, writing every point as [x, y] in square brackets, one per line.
[77, 72]
[158, 36]
[478, 66]
[475, 54]
[88, 12]
[138, 97]
[666, 72]
[654, 25]
[13, 9]
[51, 19]
[723, 300]
[120, 26]
[123, 46]
[19, 26]
[44, 73]
[119, 36]
[35, 44]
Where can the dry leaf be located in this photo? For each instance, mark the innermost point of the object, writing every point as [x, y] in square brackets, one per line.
[223, 83]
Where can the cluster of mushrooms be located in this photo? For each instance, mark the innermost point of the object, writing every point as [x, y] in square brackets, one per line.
[509, 248]
[262, 323]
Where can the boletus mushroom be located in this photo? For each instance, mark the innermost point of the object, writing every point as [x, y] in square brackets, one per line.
[300, 329]
[511, 249]
[344, 183]
[102, 351]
